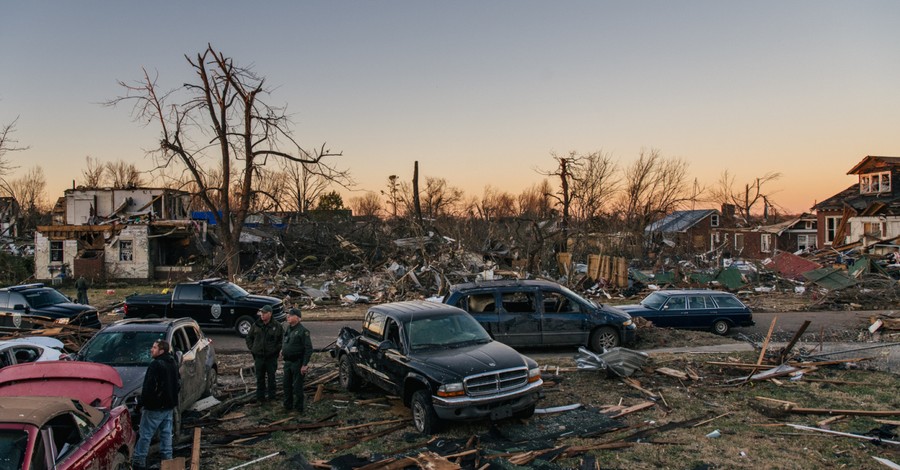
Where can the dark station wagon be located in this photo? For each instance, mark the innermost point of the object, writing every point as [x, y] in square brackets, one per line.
[693, 309]
[525, 313]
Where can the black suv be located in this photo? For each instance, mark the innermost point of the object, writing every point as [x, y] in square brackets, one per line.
[18, 303]
[542, 313]
[440, 361]
[125, 345]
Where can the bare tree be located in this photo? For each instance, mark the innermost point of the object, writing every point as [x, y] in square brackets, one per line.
[594, 185]
[566, 170]
[495, 204]
[305, 184]
[654, 186]
[534, 202]
[92, 173]
[7, 145]
[29, 190]
[393, 194]
[220, 117]
[121, 175]
[745, 199]
[367, 205]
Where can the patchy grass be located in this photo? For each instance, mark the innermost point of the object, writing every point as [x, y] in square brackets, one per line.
[752, 431]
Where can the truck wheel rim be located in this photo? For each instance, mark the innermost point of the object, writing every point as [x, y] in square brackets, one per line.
[244, 328]
[418, 416]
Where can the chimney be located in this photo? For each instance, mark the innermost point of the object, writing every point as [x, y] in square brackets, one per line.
[728, 212]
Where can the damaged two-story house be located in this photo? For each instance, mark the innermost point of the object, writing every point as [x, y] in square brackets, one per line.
[9, 217]
[140, 233]
[868, 212]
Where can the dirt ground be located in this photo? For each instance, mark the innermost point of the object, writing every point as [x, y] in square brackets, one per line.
[344, 430]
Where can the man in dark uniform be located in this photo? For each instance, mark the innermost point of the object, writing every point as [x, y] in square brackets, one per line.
[296, 352]
[159, 397]
[81, 286]
[264, 342]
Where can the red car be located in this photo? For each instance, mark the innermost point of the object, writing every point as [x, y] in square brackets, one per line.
[55, 415]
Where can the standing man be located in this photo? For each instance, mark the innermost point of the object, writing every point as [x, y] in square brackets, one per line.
[159, 398]
[296, 352]
[81, 285]
[264, 342]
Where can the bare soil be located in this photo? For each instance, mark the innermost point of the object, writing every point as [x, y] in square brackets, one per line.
[671, 433]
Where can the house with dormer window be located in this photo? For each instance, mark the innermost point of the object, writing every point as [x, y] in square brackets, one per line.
[868, 212]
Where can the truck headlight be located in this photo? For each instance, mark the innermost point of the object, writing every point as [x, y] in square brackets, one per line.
[627, 322]
[534, 374]
[455, 389]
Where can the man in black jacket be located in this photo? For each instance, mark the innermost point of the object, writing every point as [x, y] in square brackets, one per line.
[158, 397]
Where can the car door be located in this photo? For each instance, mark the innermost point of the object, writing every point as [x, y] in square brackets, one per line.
[519, 317]
[372, 336]
[564, 319]
[732, 308]
[702, 311]
[394, 360]
[673, 312]
[188, 302]
[187, 368]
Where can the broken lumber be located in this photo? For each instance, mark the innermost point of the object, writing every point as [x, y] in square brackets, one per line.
[672, 373]
[845, 434]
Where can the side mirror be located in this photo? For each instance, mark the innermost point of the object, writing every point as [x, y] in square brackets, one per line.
[21, 307]
[665, 307]
[386, 344]
[178, 357]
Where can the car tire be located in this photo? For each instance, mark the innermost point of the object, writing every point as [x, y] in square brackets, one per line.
[347, 376]
[242, 325]
[120, 462]
[526, 413]
[425, 419]
[604, 337]
[721, 327]
[211, 378]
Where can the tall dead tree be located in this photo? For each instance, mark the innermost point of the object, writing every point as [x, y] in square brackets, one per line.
[745, 200]
[7, 145]
[219, 123]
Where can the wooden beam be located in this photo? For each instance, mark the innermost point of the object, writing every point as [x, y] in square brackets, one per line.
[195, 450]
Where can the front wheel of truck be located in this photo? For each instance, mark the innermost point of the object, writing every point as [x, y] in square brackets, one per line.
[242, 326]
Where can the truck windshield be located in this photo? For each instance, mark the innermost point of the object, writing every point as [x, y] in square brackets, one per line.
[447, 331]
[45, 297]
[234, 291]
[121, 348]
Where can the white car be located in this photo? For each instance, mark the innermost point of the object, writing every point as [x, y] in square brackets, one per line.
[30, 349]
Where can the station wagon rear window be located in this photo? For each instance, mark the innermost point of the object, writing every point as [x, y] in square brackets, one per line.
[727, 301]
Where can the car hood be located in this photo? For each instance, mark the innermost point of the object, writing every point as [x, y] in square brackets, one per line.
[638, 310]
[66, 309]
[260, 300]
[616, 312]
[456, 363]
[87, 382]
[132, 380]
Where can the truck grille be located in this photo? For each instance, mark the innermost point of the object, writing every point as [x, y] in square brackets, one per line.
[493, 382]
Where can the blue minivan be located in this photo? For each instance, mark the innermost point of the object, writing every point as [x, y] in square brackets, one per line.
[693, 309]
[523, 313]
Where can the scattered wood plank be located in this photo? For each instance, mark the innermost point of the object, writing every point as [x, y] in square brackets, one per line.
[787, 349]
[634, 409]
[845, 434]
[637, 386]
[374, 423]
[195, 450]
[701, 423]
[672, 373]
[835, 382]
[827, 422]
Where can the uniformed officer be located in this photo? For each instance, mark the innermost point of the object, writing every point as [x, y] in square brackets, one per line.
[296, 351]
[264, 342]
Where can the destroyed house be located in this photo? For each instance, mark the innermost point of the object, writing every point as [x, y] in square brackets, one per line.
[9, 215]
[691, 229]
[797, 234]
[867, 212]
[140, 233]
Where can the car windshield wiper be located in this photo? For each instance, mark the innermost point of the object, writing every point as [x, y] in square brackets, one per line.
[426, 345]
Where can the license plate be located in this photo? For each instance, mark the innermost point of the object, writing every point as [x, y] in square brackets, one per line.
[501, 412]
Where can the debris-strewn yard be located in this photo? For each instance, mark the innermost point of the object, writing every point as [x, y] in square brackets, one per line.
[678, 411]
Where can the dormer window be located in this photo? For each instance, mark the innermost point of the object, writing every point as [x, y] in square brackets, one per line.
[714, 220]
[875, 183]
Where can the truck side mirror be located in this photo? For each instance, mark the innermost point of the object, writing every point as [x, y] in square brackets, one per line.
[385, 345]
[21, 307]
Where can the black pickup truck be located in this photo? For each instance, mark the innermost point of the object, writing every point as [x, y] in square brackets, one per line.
[440, 361]
[213, 303]
[20, 304]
